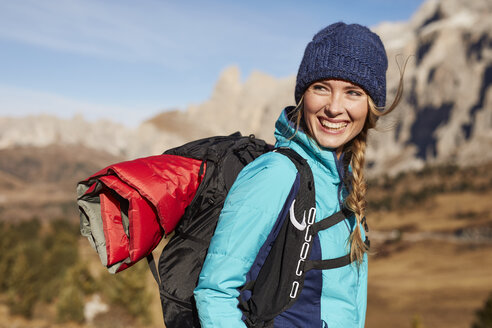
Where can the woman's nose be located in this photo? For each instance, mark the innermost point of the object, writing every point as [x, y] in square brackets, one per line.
[334, 107]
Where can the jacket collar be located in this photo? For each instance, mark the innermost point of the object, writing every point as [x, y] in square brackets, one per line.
[286, 135]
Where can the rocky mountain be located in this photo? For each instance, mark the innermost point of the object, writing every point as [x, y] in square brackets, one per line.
[249, 107]
[445, 114]
[113, 138]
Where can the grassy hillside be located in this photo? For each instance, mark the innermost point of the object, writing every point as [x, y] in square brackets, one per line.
[40, 182]
[430, 266]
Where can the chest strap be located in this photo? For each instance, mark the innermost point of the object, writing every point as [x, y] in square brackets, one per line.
[330, 221]
[323, 225]
[331, 263]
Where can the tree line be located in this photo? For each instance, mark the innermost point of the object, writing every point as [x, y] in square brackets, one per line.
[40, 265]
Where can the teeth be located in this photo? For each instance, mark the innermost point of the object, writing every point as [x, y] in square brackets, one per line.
[331, 125]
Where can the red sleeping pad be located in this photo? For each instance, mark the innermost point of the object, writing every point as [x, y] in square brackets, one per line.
[127, 207]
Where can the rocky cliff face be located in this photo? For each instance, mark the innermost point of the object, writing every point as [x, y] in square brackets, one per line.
[445, 114]
[249, 107]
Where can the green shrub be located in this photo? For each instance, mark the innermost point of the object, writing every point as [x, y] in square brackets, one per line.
[7, 256]
[77, 283]
[70, 305]
[33, 264]
[61, 253]
[128, 290]
[80, 276]
[417, 322]
[23, 283]
[383, 204]
[483, 317]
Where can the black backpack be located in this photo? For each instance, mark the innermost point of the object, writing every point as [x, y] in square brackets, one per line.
[279, 283]
[182, 258]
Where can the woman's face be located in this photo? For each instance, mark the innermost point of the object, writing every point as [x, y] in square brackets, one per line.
[335, 112]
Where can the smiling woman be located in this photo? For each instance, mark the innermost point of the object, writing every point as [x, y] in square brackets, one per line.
[340, 93]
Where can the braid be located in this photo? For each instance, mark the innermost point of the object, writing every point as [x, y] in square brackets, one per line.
[355, 152]
[356, 200]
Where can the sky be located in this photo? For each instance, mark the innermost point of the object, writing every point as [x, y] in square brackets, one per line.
[128, 60]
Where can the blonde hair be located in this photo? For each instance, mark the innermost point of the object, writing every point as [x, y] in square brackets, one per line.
[354, 155]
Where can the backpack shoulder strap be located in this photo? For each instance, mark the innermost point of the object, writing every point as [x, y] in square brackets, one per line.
[281, 277]
[306, 188]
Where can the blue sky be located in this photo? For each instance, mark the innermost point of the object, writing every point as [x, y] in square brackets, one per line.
[129, 60]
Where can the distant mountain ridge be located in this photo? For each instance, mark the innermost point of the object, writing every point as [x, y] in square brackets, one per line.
[103, 135]
[445, 114]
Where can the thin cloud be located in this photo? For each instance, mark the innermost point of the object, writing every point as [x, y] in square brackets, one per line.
[20, 102]
[177, 36]
[85, 27]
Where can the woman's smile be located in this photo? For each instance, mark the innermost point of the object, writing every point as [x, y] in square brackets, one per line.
[331, 126]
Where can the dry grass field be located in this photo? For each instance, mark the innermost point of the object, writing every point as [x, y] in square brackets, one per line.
[433, 266]
[441, 283]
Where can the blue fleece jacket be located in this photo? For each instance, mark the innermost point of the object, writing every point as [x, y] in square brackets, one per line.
[249, 214]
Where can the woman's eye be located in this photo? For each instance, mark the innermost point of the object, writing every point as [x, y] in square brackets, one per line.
[319, 88]
[355, 93]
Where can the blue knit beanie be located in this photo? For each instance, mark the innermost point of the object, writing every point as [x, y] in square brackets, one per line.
[347, 52]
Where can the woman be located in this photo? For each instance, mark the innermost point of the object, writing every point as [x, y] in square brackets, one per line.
[340, 92]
